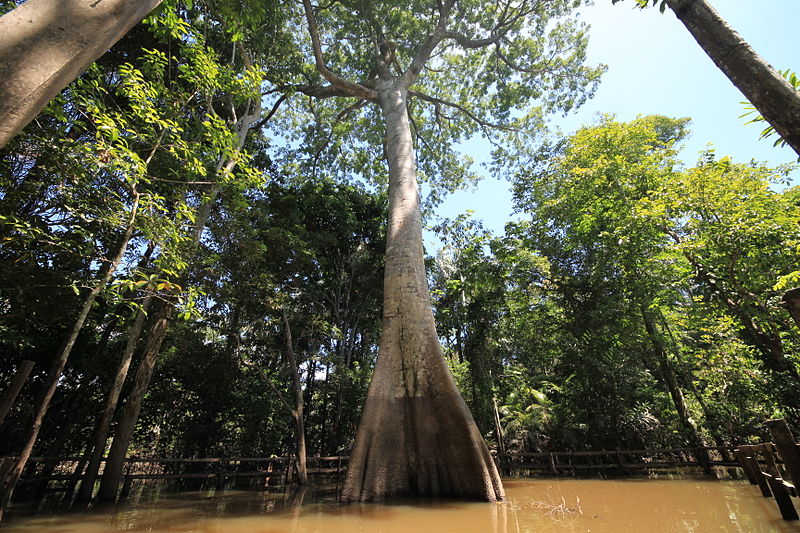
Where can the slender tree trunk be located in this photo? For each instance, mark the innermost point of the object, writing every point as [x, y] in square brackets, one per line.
[773, 96]
[100, 435]
[791, 302]
[297, 410]
[112, 473]
[498, 428]
[14, 388]
[675, 392]
[416, 434]
[46, 44]
[8, 484]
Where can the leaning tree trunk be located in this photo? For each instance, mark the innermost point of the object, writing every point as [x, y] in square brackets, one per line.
[14, 388]
[46, 44]
[675, 392]
[773, 96]
[112, 473]
[416, 434]
[97, 446]
[9, 483]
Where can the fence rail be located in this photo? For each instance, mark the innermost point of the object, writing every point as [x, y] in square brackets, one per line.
[265, 471]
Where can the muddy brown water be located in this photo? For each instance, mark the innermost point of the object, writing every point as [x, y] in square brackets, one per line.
[538, 505]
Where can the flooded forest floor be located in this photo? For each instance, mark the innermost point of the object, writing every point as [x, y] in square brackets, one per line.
[695, 504]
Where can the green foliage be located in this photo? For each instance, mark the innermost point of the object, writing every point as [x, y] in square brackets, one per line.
[627, 234]
[644, 4]
[537, 68]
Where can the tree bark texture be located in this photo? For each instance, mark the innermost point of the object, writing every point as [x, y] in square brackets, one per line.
[791, 302]
[97, 446]
[46, 44]
[416, 434]
[768, 91]
[14, 388]
[112, 473]
[297, 411]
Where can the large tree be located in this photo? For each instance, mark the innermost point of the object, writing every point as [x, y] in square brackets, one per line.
[416, 434]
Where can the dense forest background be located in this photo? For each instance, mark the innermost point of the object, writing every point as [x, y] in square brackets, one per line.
[634, 304]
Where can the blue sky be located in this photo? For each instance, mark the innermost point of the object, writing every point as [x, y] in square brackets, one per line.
[656, 67]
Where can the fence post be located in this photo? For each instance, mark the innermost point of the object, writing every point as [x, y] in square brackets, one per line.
[221, 475]
[787, 448]
[788, 512]
[289, 473]
[763, 484]
[741, 457]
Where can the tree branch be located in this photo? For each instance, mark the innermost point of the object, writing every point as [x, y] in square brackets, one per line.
[352, 89]
[470, 114]
[260, 124]
[429, 44]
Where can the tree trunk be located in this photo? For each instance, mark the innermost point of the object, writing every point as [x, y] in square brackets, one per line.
[297, 411]
[791, 302]
[768, 91]
[46, 44]
[8, 484]
[14, 388]
[416, 434]
[112, 473]
[498, 428]
[675, 392]
[97, 445]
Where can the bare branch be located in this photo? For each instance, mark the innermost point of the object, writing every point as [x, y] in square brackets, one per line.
[320, 91]
[500, 30]
[466, 42]
[470, 114]
[429, 44]
[352, 89]
[344, 113]
[514, 66]
[260, 124]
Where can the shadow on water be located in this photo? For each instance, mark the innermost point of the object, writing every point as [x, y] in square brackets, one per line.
[539, 505]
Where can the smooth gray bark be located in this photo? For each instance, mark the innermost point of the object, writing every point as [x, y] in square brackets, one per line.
[768, 91]
[46, 44]
[416, 435]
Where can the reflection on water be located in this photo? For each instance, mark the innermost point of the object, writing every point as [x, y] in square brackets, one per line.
[539, 505]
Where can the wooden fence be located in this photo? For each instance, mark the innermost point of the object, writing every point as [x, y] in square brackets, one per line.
[768, 464]
[51, 473]
[260, 471]
[575, 463]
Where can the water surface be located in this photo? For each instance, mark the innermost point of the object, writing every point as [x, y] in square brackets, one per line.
[539, 505]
